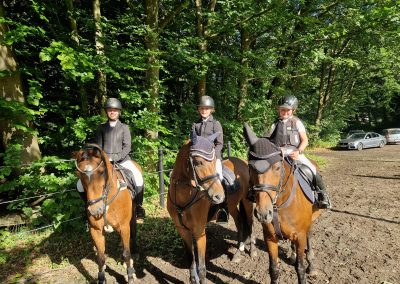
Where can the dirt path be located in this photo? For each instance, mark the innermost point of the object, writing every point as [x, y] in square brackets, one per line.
[357, 242]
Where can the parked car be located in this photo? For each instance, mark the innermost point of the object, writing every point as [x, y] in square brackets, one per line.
[354, 131]
[392, 135]
[361, 141]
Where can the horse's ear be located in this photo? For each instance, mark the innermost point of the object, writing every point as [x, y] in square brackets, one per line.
[193, 135]
[76, 154]
[250, 136]
[214, 136]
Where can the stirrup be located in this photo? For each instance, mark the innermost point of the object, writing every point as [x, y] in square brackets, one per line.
[325, 202]
[140, 212]
[222, 216]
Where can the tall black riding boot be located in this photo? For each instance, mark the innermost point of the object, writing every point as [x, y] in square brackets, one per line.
[323, 197]
[140, 212]
[223, 212]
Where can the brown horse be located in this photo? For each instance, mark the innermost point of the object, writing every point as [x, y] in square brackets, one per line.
[109, 205]
[281, 206]
[194, 189]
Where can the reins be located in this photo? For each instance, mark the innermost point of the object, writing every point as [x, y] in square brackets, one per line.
[280, 188]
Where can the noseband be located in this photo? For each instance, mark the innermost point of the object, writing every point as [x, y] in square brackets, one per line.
[199, 182]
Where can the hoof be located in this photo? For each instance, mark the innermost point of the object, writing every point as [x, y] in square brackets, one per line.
[313, 272]
[236, 257]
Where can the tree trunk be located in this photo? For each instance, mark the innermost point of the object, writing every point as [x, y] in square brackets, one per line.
[11, 90]
[243, 80]
[102, 80]
[153, 69]
[75, 38]
[202, 33]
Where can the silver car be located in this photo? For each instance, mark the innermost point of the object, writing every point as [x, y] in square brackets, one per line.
[392, 135]
[360, 141]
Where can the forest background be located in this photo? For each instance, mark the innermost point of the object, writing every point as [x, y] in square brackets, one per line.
[60, 61]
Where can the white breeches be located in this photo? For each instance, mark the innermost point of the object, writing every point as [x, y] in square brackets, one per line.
[137, 175]
[218, 165]
[301, 158]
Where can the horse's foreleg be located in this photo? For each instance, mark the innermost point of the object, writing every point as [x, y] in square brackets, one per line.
[300, 260]
[248, 209]
[188, 240]
[311, 270]
[272, 247]
[126, 254]
[99, 242]
[201, 253]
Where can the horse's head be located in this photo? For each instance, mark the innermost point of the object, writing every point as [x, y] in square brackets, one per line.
[202, 165]
[266, 173]
[91, 168]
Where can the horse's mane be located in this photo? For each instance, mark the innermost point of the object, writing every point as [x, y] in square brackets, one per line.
[180, 167]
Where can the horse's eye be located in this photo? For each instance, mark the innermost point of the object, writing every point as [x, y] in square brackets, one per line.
[197, 163]
[277, 166]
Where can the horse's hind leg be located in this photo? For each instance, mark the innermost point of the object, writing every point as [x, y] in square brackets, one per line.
[311, 270]
[125, 237]
[239, 226]
[99, 242]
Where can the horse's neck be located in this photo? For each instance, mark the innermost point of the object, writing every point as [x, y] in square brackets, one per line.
[181, 168]
[287, 184]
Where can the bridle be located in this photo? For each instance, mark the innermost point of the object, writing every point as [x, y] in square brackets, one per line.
[199, 182]
[89, 171]
[266, 187]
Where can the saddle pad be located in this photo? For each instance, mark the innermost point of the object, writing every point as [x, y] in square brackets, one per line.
[230, 183]
[305, 186]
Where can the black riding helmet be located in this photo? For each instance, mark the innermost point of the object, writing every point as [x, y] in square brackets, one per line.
[289, 102]
[113, 103]
[206, 101]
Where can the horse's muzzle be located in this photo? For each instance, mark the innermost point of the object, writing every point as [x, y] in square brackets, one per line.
[264, 215]
[215, 196]
[97, 209]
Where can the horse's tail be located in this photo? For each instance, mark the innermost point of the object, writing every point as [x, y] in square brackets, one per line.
[243, 216]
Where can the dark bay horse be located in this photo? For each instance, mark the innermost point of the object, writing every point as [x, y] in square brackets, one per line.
[109, 205]
[194, 188]
[281, 206]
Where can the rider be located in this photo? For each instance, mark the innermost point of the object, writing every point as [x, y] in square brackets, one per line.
[289, 133]
[114, 138]
[206, 126]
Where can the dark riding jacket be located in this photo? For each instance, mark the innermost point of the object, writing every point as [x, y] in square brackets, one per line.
[115, 141]
[286, 133]
[209, 127]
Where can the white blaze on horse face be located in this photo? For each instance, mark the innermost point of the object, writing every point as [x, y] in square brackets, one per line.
[88, 170]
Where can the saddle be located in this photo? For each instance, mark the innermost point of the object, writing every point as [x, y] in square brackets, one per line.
[306, 179]
[230, 183]
[127, 181]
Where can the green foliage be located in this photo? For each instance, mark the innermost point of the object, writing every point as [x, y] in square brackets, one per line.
[341, 59]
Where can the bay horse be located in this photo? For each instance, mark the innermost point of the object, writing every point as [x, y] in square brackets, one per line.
[194, 188]
[109, 205]
[282, 208]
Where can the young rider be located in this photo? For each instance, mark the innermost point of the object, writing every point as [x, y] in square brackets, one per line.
[114, 138]
[206, 126]
[289, 133]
